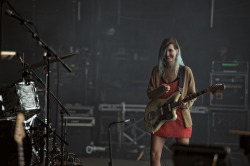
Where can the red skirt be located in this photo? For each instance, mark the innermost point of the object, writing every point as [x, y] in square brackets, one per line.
[175, 129]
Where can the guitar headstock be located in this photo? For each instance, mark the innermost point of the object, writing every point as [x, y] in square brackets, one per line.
[214, 88]
[19, 130]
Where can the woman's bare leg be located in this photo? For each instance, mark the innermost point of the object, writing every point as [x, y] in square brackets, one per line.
[157, 144]
[184, 141]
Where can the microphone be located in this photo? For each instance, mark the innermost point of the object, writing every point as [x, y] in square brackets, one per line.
[122, 121]
[16, 16]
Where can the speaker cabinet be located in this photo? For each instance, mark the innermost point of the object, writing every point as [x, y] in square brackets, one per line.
[79, 138]
[105, 118]
[223, 120]
[200, 128]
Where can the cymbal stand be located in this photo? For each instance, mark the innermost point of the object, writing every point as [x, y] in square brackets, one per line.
[47, 92]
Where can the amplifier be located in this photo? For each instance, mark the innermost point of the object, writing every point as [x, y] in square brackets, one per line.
[78, 109]
[236, 92]
[122, 107]
[230, 67]
[80, 121]
[80, 115]
[200, 119]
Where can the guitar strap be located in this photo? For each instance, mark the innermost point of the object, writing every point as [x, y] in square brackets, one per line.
[181, 75]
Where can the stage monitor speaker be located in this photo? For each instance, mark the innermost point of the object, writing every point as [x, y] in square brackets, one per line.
[202, 155]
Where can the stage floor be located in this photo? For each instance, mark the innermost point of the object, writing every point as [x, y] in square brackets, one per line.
[104, 161]
[118, 162]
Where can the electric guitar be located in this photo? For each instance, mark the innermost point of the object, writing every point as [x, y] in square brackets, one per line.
[159, 111]
[18, 136]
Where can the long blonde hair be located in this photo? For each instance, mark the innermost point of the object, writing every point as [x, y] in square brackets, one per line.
[164, 45]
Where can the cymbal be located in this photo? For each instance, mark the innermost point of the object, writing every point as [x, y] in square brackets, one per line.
[44, 62]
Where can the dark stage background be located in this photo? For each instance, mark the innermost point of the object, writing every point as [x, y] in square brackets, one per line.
[116, 44]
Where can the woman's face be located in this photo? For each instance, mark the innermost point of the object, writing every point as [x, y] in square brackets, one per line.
[171, 53]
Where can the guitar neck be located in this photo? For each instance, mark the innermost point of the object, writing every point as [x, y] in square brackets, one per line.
[190, 97]
[18, 137]
[21, 160]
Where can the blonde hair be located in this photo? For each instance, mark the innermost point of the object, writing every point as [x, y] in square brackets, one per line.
[164, 45]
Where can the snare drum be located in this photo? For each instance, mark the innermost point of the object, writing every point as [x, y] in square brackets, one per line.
[19, 97]
[8, 150]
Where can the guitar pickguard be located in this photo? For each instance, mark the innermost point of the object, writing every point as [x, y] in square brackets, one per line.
[160, 111]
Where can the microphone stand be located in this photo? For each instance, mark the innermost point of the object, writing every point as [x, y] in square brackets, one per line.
[110, 147]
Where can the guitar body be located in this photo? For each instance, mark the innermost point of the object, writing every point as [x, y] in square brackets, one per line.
[159, 111]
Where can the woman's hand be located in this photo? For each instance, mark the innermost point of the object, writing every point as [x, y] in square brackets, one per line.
[181, 103]
[165, 88]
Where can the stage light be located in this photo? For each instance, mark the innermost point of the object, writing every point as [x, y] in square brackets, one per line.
[7, 55]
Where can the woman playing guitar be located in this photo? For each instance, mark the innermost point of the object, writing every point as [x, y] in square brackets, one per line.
[163, 83]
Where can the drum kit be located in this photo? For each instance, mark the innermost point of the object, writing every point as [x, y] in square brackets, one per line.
[22, 97]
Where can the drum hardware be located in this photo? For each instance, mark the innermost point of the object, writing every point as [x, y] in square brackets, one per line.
[70, 159]
[48, 58]
[19, 97]
[27, 70]
[28, 123]
[43, 62]
[35, 160]
[44, 124]
[38, 141]
[51, 130]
